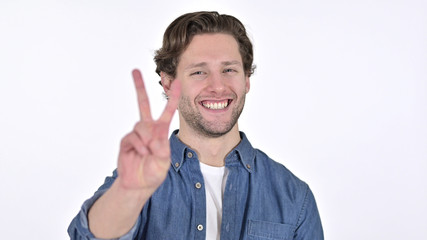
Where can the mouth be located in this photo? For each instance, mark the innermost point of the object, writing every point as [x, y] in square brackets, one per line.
[216, 105]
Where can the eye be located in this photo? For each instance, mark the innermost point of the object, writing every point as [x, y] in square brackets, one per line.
[197, 73]
[229, 70]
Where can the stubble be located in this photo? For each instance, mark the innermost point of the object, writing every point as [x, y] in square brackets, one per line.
[212, 129]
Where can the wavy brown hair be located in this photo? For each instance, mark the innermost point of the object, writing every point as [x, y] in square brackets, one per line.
[181, 31]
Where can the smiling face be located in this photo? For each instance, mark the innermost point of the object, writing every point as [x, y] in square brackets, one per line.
[214, 85]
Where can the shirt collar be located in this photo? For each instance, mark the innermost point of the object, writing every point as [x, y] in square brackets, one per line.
[244, 151]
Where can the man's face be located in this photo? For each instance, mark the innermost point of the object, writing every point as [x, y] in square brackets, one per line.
[213, 83]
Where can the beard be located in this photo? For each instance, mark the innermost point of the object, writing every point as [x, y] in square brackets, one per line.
[212, 129]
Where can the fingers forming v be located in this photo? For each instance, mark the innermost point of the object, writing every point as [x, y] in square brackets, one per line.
[156, 129]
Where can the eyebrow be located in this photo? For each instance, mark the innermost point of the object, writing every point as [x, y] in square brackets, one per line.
[195, 65]
[228, 63]
[202, 64]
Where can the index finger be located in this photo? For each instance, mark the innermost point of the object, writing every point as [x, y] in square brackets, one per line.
[143, 103]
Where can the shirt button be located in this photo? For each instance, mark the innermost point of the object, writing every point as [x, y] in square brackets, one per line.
[189, 154]
[176, 164]
[248, 166]
[198, 186]
[200, 227]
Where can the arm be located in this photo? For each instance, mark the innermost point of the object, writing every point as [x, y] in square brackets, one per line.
[309, 226]
[143, 163]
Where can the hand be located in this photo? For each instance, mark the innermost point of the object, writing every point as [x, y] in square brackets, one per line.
[144, 157]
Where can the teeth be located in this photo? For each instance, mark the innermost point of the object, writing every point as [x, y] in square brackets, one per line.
[216, 106]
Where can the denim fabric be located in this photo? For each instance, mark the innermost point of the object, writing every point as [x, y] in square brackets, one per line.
[262, 200]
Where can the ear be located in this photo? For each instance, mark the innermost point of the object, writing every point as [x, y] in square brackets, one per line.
[166, 81]
[248, 83]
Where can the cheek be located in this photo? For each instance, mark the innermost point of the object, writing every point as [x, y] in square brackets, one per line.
[191, 90]
[242, 88]
[186, 94]
[187, 98]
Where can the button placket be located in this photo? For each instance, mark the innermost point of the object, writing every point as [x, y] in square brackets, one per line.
[198, 193]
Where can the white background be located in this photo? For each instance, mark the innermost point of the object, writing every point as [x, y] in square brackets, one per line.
[339, 97]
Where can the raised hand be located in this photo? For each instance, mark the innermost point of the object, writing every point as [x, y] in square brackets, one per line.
[143, 164]
[144, 157]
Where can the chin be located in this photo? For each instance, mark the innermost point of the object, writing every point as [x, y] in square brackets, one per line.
[215, 131]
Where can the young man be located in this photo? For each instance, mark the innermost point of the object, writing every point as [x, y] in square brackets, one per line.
[206, 181]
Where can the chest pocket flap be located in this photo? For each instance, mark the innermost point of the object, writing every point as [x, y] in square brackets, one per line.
[270, 230]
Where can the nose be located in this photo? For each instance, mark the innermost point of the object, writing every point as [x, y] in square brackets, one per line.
[216, 83]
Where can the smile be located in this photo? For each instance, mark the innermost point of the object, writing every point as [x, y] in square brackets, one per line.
[215, 105]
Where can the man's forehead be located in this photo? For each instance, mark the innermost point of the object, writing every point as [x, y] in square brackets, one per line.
[205, 48]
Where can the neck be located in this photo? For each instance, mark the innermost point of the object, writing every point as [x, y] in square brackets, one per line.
[211, 151]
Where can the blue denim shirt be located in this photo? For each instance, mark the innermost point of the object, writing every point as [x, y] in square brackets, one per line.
[262, 200]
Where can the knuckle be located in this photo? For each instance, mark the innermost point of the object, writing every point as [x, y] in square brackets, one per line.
[137, 125]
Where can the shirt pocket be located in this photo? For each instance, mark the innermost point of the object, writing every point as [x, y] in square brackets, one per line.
[269, 230]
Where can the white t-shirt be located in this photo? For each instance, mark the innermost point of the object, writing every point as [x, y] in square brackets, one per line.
[215, 179]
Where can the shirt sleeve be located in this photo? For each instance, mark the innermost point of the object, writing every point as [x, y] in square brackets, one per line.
[309, 225]
[79, 227]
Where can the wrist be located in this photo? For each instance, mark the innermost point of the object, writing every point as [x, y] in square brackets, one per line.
[136, 195]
